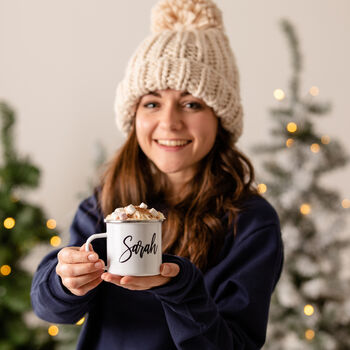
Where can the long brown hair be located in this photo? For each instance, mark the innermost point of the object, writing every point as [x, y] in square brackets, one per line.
[195, 226]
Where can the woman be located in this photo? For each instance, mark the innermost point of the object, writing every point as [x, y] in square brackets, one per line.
[179, 105]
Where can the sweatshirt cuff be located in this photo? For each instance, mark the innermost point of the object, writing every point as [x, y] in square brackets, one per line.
[179, 286]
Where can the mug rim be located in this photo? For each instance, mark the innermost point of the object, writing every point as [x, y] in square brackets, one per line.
[132, 221]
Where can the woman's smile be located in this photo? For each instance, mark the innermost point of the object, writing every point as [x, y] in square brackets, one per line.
[172, 145]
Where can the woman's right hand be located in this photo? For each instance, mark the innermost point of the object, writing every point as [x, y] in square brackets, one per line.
[80, 271]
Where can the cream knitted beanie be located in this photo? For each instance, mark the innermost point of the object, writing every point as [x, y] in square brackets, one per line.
[187, 51]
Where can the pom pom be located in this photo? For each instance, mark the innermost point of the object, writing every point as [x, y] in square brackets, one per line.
[185, 15]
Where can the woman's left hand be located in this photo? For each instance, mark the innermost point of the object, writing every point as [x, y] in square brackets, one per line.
[167, 271]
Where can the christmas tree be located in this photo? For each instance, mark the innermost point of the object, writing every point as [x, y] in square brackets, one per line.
[23, 227]
[311, 306]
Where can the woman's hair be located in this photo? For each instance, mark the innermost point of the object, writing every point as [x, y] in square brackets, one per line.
[195, 226]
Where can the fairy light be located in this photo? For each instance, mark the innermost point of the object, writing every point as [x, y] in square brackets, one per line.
[292, 127]
[5, 270]
[55, 241]
[325, 139]
[262, 188]
[81, 321]
[289, 142]
[345, 203]
[9, 223]
[309, 310]
[51, 224]
[305, 209]
[279, 94]
[315, 148]
[314, 91]
[309, 334]
[53, 330]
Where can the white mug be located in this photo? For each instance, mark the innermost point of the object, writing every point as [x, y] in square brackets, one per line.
[134, 248]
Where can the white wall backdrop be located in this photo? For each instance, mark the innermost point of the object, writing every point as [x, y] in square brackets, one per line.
[60, 62]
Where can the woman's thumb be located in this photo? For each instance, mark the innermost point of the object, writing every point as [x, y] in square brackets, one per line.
[169, 270]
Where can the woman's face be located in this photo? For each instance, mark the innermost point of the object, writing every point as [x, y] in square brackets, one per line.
[175, 130]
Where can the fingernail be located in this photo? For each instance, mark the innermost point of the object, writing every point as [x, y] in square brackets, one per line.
[165, 270]
[92, 257]
[98, 264]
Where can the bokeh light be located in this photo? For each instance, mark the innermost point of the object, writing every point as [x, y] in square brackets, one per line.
[309, 334]
[279, 94]
[325, 139]
[309, 310]
[55, 241]
[289, 142]
[345, 203]
[314, 91]
[81, 321]
[305, 209]
[262, 188]
[53, 330]
[5, 270]
[315, 148]
[292, 127]
[9, 223]
[51, 224]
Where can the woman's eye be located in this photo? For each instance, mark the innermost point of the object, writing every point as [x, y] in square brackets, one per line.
[150, 105]
[193, 105]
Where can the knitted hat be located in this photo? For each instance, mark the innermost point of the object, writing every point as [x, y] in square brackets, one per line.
[187, 51]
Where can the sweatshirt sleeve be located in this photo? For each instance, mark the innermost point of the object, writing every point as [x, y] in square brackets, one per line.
[51, 301]
[228, 307]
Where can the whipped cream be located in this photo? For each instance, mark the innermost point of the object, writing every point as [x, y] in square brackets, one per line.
[138, 212]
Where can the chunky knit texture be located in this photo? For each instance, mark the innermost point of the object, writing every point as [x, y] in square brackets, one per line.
[187, 51]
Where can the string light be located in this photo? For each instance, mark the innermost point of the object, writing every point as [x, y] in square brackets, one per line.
[55, 241]
[51, 224]
[292, 127]
[53, 330]
[314, 91]
[262, 188]
[279, 94]
[345, 203]
[325, 139]
[305, 209]
[5, 270]
[9, 223]
[309, 310]
[309, 334]
[289, 143]
[315, 148]
[81, 321]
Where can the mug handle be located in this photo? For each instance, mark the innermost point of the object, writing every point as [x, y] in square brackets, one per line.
[92, 237]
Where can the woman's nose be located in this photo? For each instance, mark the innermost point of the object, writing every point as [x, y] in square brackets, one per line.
[171, 118]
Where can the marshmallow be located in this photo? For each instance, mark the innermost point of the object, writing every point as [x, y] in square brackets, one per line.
[130, 209]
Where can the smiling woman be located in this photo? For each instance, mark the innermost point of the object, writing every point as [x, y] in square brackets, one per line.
[175, 131]
[179, 105]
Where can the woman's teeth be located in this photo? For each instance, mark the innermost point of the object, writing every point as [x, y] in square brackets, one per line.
[173, 143]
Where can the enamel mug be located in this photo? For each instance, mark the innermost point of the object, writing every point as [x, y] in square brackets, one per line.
[134, 247]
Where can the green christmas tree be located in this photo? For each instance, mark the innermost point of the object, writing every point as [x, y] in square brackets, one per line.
[311, 305]
[23, 226]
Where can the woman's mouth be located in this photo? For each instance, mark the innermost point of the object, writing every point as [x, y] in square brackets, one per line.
[172, 144]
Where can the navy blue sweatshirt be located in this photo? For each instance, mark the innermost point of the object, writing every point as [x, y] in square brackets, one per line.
[224, 308]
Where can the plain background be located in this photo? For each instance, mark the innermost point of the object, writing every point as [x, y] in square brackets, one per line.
[60, 62]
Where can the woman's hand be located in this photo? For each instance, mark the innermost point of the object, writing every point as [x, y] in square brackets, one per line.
[167, 271]
[79, 270]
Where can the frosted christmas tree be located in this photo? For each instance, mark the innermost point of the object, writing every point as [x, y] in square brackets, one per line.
[311, 305]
